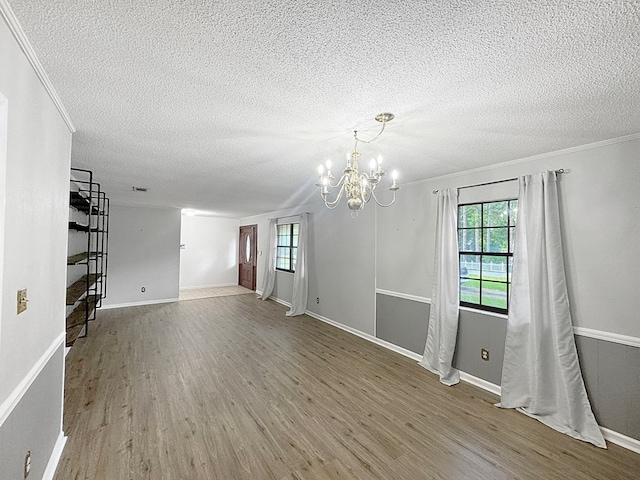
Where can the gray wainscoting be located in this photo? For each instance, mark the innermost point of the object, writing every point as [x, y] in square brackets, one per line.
[402, 322]
[34, 424]
[611, 371]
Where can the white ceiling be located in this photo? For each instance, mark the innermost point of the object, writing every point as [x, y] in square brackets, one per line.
[229, 105]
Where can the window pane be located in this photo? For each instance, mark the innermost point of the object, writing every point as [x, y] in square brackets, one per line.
[295, 234]
[469, 216]
[470, 266]
[495, 214]
[469, 240]
[495, 240]
[282, 258]
[284, 235]
[494, 268]
[513, 210]
[469, 290]
[494, 294]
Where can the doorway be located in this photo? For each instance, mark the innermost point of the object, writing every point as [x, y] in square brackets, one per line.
[248, 247]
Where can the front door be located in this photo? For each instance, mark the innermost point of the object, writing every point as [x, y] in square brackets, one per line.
[247, 256]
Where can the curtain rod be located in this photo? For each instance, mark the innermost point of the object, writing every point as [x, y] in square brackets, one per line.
[559, 171]
[292, 215]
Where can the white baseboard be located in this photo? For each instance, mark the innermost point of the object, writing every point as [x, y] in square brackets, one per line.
[621, 440]
[210, 286]
[54, 459]
[138, 304]
[366, 336]
[14, 398]
[281, 302]
[480, 383]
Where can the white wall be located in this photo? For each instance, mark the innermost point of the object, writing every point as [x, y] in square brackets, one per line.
[35, 152]
[144, 251]
[36, 194]
[210, 253]
[341, 263]
[599, 201]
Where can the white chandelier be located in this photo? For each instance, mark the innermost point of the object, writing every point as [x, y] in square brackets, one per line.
[358, 187]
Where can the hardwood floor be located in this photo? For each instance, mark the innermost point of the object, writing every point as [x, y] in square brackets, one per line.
[230, 388]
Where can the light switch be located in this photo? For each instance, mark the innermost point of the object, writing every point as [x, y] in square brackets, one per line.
[22, 300]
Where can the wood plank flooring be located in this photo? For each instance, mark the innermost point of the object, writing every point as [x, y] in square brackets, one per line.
[230, 388]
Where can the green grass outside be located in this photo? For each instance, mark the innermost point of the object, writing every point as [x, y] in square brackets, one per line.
[490, 302]
[498, 287]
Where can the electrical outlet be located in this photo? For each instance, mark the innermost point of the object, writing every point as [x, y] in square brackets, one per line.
[27, 464]
[318, 300]
[484, 353]
[22, 300]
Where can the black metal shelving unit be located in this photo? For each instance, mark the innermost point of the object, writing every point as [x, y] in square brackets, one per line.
[88, 260]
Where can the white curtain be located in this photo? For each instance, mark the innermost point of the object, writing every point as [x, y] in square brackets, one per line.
[541, 375]
[300, 277]
[269, 278]
[443, 316]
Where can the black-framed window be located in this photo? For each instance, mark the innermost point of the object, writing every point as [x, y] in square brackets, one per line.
[486, 237]
[287, 251]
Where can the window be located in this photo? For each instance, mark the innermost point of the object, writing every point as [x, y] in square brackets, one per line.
[287, 252]
[486, 234]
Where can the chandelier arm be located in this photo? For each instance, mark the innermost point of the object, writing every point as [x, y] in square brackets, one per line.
[334, 204]
[338, 183]
[381, 204]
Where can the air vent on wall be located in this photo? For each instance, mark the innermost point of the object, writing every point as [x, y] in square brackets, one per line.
[139, 189]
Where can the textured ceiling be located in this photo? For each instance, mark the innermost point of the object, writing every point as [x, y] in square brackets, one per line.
[229, 106]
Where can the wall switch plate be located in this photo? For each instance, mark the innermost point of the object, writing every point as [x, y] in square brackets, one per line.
[484, 353]
[22, 300]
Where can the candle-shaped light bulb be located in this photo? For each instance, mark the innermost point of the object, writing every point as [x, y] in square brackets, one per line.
[321, 169]
[379, 163]
[328, 164]
[372, 166]
[394, 185]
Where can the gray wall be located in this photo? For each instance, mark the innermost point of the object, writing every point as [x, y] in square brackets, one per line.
[599, 198]
[34, 423]
[341, 263]
[33, 235]
[144, 251]
[611, 374]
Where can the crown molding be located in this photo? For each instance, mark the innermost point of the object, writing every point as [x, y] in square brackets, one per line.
[541, 156]
[16, 30]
